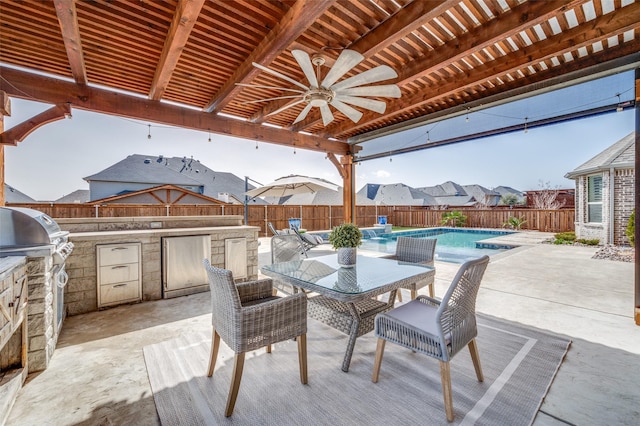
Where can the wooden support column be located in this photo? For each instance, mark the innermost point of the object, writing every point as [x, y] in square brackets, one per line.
[637, 200]
[5, 109]
[345, 168]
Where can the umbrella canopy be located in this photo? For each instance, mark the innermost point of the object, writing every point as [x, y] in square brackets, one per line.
[290, 185]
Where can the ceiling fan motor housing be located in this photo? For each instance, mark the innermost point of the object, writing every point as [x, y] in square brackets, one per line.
[319, 97]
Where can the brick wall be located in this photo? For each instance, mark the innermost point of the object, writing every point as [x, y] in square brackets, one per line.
[624, 190]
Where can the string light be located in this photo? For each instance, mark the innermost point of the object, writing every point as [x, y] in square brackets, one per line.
[149, 134]
[428, 138]
[209, 135]
[390, 158]
[294, 148]
[256, 144]
[467, 119]
[619, 107]
[526, 129]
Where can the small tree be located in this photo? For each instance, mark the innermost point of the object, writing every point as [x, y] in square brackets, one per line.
[631, 228]
[546, 198]
[509, 200]
[453, 218]
[514, 222]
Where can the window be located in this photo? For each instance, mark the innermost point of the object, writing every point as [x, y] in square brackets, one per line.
[594, 200]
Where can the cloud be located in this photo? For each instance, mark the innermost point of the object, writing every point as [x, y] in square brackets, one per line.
[382, 174]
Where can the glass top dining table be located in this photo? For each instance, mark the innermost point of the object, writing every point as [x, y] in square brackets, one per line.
[346, 296]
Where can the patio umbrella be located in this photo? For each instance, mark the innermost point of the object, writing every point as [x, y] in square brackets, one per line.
[290, 185]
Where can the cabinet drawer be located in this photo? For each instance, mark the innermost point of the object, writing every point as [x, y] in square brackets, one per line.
[118, 273]
[115, 254]
[119, 293]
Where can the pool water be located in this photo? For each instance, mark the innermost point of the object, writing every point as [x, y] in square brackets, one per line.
[454, 245]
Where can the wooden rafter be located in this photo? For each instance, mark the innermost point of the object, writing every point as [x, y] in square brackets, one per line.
[567, 41]
[288, 29]
[20, 131]
[45, 89]
[183, 20]
[68, 19]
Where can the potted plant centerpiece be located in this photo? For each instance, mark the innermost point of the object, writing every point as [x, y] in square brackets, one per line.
[346, 238]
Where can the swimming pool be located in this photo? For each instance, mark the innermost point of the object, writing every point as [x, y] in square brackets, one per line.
[454, 245]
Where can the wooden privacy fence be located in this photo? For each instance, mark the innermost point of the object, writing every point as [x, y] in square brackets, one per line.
[320, 217]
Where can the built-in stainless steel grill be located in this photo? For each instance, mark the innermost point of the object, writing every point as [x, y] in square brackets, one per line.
[31, 233]
[27, 232]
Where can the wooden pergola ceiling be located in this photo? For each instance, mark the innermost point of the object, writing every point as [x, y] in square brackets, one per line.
[179, 62]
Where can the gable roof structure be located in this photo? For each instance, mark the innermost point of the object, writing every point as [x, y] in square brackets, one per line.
[179, 171]
[620, 155]
[163, 194]
[12, 195]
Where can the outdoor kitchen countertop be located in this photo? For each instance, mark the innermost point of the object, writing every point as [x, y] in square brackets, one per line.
[159, 231]
[10, 262]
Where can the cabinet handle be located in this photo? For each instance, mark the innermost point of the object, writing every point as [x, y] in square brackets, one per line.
[119, 248]
[119, 267]
[119, 285]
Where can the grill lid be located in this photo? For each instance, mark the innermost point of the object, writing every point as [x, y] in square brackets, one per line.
[22, 227]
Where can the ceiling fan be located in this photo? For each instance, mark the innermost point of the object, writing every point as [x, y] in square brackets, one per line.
[329, 91]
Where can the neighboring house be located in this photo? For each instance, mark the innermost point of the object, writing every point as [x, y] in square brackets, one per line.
[482, 195]
[605, 193]
[397, 194]
[12, 195]
[507, 190]
[141, 172]
[77, 196]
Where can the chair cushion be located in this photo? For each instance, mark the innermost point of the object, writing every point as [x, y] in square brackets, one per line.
[417, 315]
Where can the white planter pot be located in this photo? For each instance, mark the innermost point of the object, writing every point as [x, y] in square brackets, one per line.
[347, 256]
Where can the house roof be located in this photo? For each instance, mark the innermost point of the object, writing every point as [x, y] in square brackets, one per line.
[12, 195]
[77, 196]
[163, 194]
[396, 194]
[179, 171]
[619, 155]
[504, 190]
[444, 189]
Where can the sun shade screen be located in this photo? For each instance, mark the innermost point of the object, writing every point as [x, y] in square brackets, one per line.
[566, 103]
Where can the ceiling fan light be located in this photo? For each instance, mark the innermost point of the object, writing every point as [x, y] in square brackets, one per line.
[318, 99]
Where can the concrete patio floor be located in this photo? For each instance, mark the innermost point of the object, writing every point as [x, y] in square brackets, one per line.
[98, 376]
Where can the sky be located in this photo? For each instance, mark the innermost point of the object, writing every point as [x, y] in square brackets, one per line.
[53, 160]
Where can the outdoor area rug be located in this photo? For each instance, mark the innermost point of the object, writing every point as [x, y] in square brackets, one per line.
[519, 364]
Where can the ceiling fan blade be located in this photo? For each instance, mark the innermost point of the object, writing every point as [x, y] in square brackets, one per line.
[353, 114]
[379, 73]
[385, 90]
[347, 60]
[327, 115]
[370, 104]
[272, 99]
[287, 106]
[279, 75]
[303, 113]
[258, 86]
[307, 67]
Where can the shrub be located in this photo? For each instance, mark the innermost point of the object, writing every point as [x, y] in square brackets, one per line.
[454, 218]
[565, 238]
[631, 228]
[514, 223]
[586, 242]
[345, 235]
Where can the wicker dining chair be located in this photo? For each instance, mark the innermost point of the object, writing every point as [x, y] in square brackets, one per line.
[416, 250]
[247, 317]
[439, 329]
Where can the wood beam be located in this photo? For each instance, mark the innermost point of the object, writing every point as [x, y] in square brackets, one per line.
[637, 199]
[406, 20]
[29, 86]
[68, 19]
[566, 41]
[184, 18]
[334, 160]
[5, 109]
[292, 25]
[20, 131]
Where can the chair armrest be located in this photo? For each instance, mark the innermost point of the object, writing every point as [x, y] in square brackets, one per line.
[287, 314]
[428, 300]
[253, 290]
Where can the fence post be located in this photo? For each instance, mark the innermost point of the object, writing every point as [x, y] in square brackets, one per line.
[266, 220]
[330, 227]
[97, 215]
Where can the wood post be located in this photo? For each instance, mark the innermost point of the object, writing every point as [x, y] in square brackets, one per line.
[5, 109]
[637, 198]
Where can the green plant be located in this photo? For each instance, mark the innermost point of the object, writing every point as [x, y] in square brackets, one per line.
[514, 223]
[453, 218]
[345, 235]
[586, 242]
[631, 228]
[565, 238]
